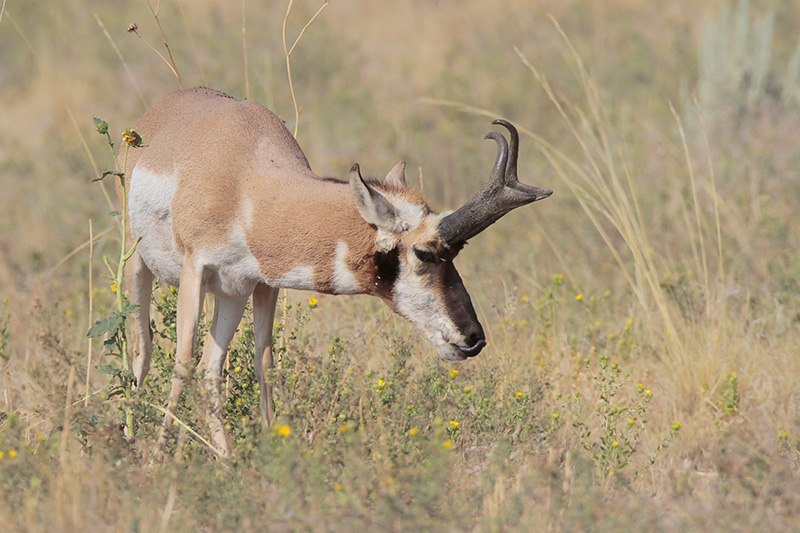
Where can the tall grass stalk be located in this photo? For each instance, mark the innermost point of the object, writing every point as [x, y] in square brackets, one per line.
[171, 63]
[195, 50]
[288, 54]
[606, 191]
[134, 79]
[91, 316]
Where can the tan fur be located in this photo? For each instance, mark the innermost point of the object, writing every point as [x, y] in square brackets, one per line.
[189, 133]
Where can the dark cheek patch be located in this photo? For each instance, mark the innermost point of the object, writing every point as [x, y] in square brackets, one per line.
[387, 269]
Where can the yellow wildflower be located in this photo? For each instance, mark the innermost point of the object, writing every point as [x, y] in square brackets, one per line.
[132, 138]
[615, 444]
[413, 431]
[381, 383]
[467, 388]
[237, 368]
[1, 456]
[676, 425]
[453, 424]
[337, 487]
[631, 421]
[447, 444]
[518, 394]
[12, 454]
[283, 430]
[312, 302]
[555, 416]
[453, 373]
[113, 287]
[524, 299]
[578, 297]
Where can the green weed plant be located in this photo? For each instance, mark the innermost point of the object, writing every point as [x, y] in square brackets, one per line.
[122, 379]
[613, 436]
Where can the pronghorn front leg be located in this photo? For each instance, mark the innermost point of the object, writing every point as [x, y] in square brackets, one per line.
[227, 315]
[264, 299]
[190, 304]
[140, 281]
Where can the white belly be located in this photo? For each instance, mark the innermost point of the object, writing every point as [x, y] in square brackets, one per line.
[150, 211]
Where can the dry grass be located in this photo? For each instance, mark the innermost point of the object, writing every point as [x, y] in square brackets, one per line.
[674, 228]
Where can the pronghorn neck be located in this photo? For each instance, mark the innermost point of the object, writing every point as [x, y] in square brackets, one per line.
[335, 251]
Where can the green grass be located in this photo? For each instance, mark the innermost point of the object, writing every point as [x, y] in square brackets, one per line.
[666, 261]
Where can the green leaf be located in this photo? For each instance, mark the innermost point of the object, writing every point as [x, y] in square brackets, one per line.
[116, 392]
[101, 327]
[106, 369]
[128, 309]
[105, 325]
[107, 172]
[114, 213]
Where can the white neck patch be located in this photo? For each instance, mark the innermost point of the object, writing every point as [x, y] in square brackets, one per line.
[344, 281]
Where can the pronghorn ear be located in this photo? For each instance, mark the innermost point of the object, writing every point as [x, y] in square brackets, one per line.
[372, 205]
[397, 176]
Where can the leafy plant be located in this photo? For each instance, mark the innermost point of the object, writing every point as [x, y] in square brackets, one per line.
[116, 344]
[613, 441]
[729, 393]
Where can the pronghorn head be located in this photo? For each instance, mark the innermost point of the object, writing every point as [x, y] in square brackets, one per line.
[413, 267]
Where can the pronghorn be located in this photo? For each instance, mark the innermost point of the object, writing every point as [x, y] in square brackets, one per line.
[224, 201]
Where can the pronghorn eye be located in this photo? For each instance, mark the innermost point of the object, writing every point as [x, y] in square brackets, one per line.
[425, 256]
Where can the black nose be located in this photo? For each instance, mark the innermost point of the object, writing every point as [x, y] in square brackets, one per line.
[475, 337]
[475, 349]
[475, 340]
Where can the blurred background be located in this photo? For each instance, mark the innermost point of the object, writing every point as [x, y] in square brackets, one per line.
[668, 131]
[368, 76]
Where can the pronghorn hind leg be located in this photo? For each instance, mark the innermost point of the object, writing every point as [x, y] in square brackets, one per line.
[264, 300]
[140, 289]
[227, 315]
[190, 305]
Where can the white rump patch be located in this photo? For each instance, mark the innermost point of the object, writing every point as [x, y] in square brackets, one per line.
[344, 281]
[150, 212]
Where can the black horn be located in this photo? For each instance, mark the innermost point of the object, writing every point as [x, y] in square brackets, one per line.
[501, 193]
